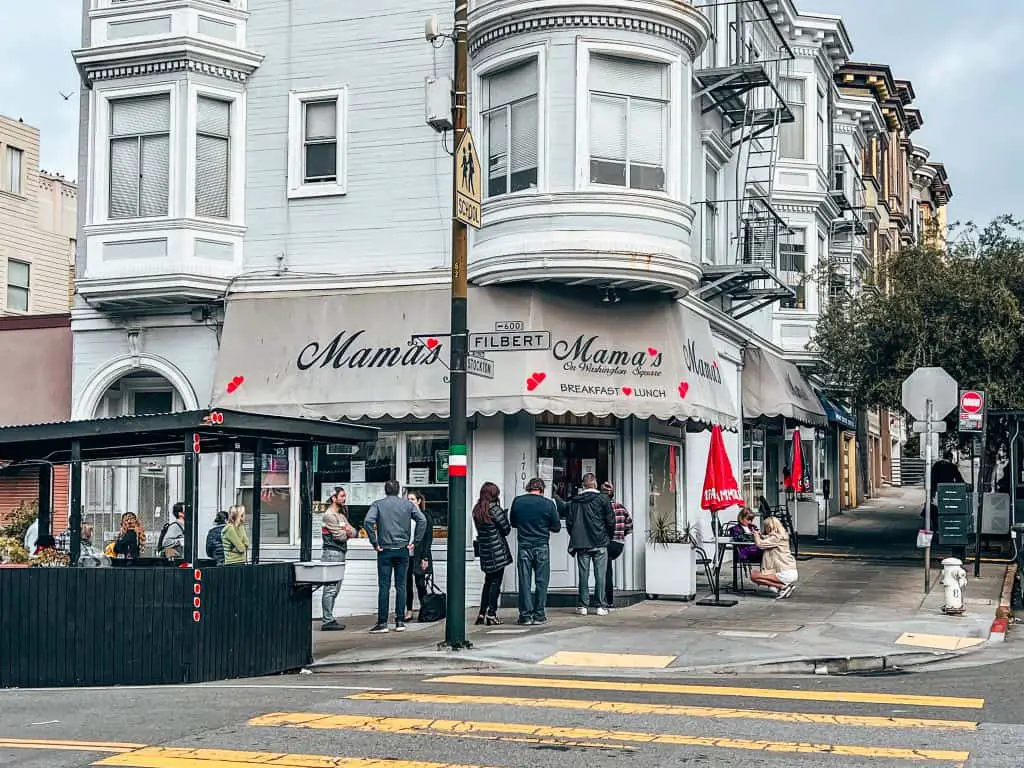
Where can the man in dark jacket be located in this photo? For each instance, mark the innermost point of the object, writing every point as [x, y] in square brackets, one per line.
[945, 471]
[535, 518]
[591, 525]
[389, 523]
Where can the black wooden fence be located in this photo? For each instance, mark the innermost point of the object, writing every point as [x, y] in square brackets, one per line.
[135, 626]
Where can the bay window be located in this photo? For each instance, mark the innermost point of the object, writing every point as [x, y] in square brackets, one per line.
[139, 156]
[511, 119]
[712, 217]
[629, 101]
[793, 268]
[213, 118]
[792, 136]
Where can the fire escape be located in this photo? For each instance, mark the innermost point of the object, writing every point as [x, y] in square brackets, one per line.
[846, 252]
[746, 93]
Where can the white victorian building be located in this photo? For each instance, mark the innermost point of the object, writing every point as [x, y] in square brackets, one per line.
[266, 226]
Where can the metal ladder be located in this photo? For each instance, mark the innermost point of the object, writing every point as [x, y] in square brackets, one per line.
[758, 168]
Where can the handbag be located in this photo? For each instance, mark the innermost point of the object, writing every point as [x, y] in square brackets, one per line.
[434, 604]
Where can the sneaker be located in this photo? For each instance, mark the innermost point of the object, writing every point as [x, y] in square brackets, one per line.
[602, 611]
[524, 621]
[581, 611]
[540, 620]
[786, 592]
[399, 626]
[331, 626]
[380, 629]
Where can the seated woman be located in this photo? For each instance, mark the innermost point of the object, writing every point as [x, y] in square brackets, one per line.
[742, 535]
[778, 566]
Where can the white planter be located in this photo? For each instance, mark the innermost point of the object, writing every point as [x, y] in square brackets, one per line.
[671, 571]
[318, 572]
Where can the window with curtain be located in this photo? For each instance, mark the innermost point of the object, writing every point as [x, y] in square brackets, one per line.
[793, 266]
[511, 121]
[18, 279]
[629, 102]
[139, 156]
[711, 212]
[13, 167]
[792, 142]
[320, 141]
[213, 133]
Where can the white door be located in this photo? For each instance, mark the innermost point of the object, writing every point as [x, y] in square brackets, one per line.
[566, 457]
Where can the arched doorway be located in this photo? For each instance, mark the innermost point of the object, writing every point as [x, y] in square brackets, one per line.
[149, 487]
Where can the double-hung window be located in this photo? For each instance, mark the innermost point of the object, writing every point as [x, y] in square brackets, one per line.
[629, 114]
[793, 267]
[18, 276]
[712, 217]
[316, 141]
[12, 170]
[823, 159]
[213, 139]
[792, 136]
[139, 156]
[511, 119]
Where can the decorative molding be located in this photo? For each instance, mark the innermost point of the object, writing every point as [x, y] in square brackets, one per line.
[181, 54]
[677, 22]
[716, 146]
[113, 370]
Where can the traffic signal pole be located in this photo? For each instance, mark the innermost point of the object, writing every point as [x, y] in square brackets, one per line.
[455, 622]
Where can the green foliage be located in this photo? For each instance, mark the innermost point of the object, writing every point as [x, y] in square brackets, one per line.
[962, 310]
[20, 519]
[12, 550]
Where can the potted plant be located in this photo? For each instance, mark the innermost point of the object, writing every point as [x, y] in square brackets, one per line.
[671, 563]
[12, 553]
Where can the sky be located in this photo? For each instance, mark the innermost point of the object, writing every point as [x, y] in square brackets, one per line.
[961, 64]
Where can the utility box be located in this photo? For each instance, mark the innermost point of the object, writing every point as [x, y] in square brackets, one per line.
[954, 503]
[438, 101]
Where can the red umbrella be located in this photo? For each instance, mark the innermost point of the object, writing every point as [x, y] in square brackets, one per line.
[720, 487]
[795, 481]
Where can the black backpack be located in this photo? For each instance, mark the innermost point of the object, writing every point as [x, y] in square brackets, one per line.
[160, 539]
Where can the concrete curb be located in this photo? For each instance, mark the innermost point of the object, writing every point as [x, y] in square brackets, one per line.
[997, 633]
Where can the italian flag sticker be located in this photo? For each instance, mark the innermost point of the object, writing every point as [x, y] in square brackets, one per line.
[457, 461]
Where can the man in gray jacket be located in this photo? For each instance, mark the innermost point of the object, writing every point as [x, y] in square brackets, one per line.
[388, 526]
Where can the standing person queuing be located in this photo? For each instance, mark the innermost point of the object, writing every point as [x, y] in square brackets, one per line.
[492, 530]
[591, 525]
[235, 537]
[389, 526]
[421, 562]
[335, 531]
[617, 545]
[535, 518]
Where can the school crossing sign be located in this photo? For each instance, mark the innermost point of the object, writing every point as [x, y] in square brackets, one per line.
[468, 182]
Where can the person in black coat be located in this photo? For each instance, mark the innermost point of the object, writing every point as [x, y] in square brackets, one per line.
[492, 530]
[421, 562]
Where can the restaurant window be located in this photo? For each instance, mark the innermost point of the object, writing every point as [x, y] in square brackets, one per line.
[426, 471]
[276, 496]
[664, 483]
[360, 469]
[753, 465]
[563, 461]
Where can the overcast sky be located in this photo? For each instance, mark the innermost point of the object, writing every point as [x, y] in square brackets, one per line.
[961, 63]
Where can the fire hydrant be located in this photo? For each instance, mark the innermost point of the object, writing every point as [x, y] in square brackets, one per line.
[954, 579]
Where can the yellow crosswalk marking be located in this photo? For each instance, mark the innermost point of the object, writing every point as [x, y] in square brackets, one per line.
[410, 725]
[583, 684]
[59, 745]
[174, 757]
[676, 710]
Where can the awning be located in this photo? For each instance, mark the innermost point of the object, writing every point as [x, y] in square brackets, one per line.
[773, 387]
[355, 354]
[838, 414]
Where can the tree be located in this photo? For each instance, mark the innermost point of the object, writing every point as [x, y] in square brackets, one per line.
[961, 309]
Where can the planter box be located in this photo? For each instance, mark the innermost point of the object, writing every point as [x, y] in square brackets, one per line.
[14, 565]
[318, 572]
[671, 571]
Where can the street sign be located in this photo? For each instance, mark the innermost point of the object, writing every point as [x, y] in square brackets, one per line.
[926, 384]
[514, 341]
[923, 426]
[972, 410]
[480, 366]
[468, 182]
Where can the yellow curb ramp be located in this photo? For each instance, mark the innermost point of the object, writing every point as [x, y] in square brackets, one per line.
[938, 642]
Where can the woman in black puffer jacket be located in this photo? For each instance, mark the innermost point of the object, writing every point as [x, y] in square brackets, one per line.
[492, 530]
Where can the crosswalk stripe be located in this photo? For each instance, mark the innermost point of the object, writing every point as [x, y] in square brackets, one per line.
[60, 745]
[457, 728]
[676, 710]
[176, 757]
[583, 684]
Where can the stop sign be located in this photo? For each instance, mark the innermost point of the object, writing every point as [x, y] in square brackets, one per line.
[971, 402]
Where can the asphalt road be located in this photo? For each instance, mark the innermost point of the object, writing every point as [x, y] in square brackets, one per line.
[550, 719]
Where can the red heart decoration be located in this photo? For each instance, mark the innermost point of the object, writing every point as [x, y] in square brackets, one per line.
[531, 384]
[235, 383]
[539, 377]
[714, 363]
[683, 389]
[535, 379]
[432, 342]
[652, 352]
[627, 391]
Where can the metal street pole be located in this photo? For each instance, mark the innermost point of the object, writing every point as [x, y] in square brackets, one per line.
[977, 511]
[928, 495]
[455, 622]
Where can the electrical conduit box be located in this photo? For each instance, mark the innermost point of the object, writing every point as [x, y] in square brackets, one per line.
[438, 102]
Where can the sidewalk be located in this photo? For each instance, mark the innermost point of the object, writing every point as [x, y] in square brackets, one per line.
[845, 616]
[882, 527]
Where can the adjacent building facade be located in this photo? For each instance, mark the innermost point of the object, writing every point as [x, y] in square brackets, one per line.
[266, 226]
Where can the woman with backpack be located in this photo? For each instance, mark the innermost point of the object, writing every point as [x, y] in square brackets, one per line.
[492, 530]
